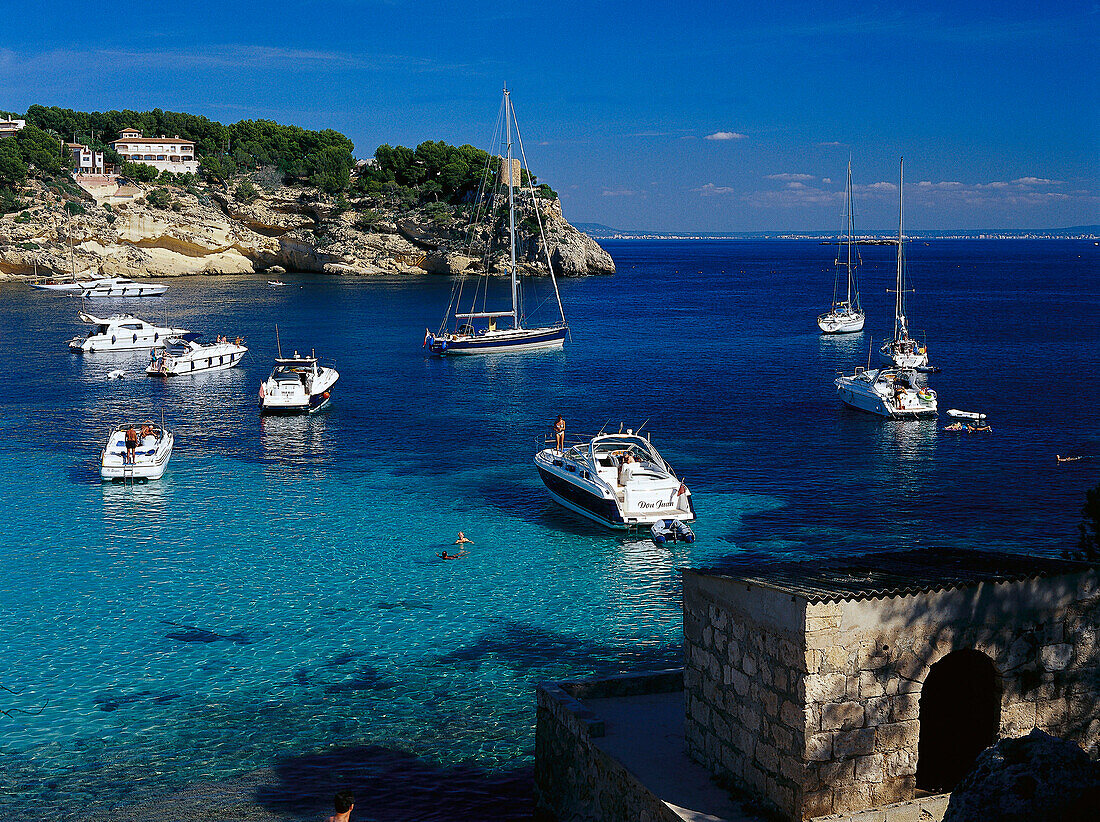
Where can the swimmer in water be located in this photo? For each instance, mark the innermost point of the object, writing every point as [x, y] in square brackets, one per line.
[462, 539]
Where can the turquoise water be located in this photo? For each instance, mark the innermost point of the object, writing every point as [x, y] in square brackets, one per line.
[277, 595]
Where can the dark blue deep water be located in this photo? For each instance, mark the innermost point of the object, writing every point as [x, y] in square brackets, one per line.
[270, 622]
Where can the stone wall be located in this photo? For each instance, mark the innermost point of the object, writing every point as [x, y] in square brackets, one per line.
[745, 657]
[817, 705]
[574, 779]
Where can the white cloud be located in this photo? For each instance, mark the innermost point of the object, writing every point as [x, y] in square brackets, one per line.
[787, 177]
[726, 135]
[831, 144]
[711, 190]
[618, 192]
[1036, 181]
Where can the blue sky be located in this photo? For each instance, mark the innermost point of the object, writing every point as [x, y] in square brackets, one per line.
[665, 116]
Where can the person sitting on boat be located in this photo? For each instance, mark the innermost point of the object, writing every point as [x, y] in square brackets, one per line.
[146, 431]
[131, 445]
[463, 539]
[626, 469]
[559, 433]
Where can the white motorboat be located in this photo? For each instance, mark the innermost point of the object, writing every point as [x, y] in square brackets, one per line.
[123, 332]
[146, 460]
[888, 392]
[183, 356]
[74, 285]
[475, 330]
[297, 385]
[121, 287]
[276, 283]
[618, 480]
[846, 316]
[903, 351]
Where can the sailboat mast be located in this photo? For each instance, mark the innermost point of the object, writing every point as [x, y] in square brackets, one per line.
[849, 233]
[511, 208]
[899, 299]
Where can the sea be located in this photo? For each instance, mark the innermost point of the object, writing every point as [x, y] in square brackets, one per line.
[270, 622]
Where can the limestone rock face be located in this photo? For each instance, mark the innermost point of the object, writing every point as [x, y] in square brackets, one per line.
[298, 229]
[1036, 778]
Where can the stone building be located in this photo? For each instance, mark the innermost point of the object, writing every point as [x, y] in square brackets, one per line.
[837, 688]
[515, 177]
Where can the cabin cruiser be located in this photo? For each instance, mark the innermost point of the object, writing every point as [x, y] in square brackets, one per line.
[888, 392]
[183, 356]
[74, 285]
[618, 480]
[297, 384]
[136, 452]
[123, 332]
[121, 287]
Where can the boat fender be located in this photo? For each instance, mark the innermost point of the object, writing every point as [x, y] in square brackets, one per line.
[114, 339]
[135, 338]
[659, 539]
[325, 395]
[156, 336]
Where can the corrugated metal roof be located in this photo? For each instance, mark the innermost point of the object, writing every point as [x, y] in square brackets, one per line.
[898, 573]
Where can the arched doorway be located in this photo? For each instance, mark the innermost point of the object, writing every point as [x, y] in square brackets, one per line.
[960, 714]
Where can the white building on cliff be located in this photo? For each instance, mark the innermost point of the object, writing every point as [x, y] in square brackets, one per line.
[175, 155]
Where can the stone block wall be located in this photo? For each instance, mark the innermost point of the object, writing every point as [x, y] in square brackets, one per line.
[744, 658]
[868, 660]
[575, 781]
[816, 705]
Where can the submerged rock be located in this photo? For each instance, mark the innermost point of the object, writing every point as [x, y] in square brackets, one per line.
[1036, 778]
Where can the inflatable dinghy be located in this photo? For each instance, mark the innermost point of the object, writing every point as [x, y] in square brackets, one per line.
[964, 415]
[671, 530]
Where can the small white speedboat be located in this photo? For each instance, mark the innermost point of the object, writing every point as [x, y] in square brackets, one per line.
[297, 385]
[618, 480]
[183, 356]
[965, 415]
[671, 530]
[121, 287]
[117, 374]
[123, 332]
[276, 283]
[888, 392]
[136, 452]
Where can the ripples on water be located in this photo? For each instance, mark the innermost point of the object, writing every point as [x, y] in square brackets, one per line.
[271, 618]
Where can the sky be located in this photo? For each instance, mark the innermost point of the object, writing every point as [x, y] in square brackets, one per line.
[652, 116]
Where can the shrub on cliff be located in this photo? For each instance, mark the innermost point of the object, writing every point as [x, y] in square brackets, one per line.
[158, 198]
[245, 192]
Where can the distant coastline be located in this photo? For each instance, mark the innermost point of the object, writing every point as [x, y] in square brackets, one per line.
[1085, 232]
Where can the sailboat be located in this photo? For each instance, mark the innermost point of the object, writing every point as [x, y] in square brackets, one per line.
[846, 316]
[477, 330]
[903, 351]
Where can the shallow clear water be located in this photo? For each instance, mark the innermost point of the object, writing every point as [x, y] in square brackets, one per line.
[277, 594]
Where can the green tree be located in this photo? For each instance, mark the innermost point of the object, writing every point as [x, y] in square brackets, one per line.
[142, 172]
[13, 169]
[39, 149]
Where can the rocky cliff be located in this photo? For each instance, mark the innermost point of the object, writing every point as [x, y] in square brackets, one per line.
[134, 231]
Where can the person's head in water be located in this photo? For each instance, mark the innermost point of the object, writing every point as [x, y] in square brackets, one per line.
[344, 802]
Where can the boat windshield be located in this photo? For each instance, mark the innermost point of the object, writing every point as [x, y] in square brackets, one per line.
[609, 450]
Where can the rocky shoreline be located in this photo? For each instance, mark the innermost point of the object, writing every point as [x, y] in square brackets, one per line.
[125, 232]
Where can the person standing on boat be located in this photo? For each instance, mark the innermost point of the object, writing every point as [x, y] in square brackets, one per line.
[131, 445]
[559, 433]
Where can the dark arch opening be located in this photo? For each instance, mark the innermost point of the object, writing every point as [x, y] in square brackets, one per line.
[960, 714]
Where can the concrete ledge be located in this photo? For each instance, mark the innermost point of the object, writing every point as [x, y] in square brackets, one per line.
[923, 809]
